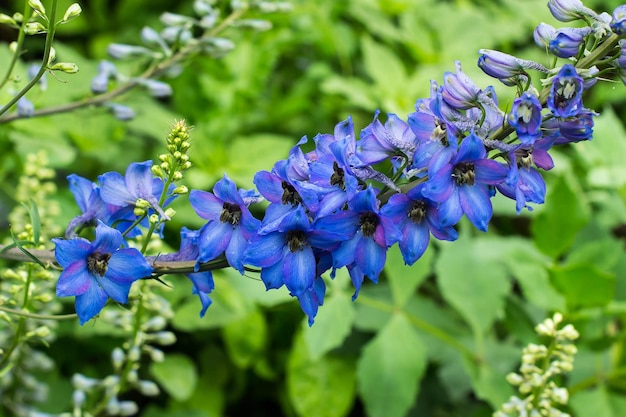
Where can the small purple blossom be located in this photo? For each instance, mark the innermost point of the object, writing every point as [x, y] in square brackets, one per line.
[507, 68]
[565, 98]
[99, 270]
[569, 10]
[461, 184]
[618, 21]
[230, 223]
[525, 117]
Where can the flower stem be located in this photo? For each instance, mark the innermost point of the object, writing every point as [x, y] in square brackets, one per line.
[44, 62]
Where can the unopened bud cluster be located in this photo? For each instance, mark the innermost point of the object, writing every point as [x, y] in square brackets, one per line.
[176, 160]
[539, 394]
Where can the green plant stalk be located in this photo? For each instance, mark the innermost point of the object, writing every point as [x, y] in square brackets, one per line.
[21, 324]
[20, 42]
[546, 364]
[44, 62]
[151, 72]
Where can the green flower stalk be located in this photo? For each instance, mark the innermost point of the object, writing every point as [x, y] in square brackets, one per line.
[540, 395]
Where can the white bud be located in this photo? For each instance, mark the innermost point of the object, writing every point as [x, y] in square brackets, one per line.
[170, 212]
[7, 20]
[128, 408]
[117, 357]
[134, 354]
[154, 324]
[78, 397]
[73, 11]
[148, 388]
[83, 383]
[13, 47]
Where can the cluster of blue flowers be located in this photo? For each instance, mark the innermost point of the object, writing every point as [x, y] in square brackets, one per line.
[347, 201]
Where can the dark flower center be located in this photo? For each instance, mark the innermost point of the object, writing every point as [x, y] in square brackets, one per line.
[290, 195]
[524, 158]
[97, 263]
[338, 177]
[296, 240]
[368, 222]
[564, 92]
[440, 133]
[417, 213]
[463, 173]
[231, 213]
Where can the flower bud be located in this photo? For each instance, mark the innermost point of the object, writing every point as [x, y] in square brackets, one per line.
[173, 19]
[122, 51]
[128, 408]
[13, 47]
[255, 24]
[78, 398]
[181, 189]
[154, 219]
[25, 108]
[7, 20]
[122, 112]
[148, 388]
[170, 212]
[568, 10]
[73, 11]
[37, 7]
[117, 358]
[66, 67]
[618, 21]
[567, 41]
[134, 354]
[33, 28]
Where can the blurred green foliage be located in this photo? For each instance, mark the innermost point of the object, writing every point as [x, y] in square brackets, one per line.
[435, 339]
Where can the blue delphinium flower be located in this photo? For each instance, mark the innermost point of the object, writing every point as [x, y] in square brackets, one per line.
[87, 196]
[392, 140]
[525, 117]
[569, 10]
[507, 68]
[99, 270]
[618, 21]
[566, 42]
[364, 251]
[313, 298]
[138, 184]
[417, 217]
[230, 223]
[524, 183]
[461, 184]
[565, 98]
[202, 282]
[290, 255]
[571, 129]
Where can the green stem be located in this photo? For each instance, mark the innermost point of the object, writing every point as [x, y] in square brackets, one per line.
[38, 316]
[152, 72]
[20, 42]
[44, 62]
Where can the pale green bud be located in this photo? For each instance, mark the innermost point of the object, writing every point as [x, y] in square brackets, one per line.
[154, 219]
[38, 7]
[7, 20]
[181, 189]
[255, 24]
[132, 376]
[79, 397]
[73, 11]
[117, 358]
[41, 331]
[142, 203]
[139, 211]
[134, 354]
[164, 338]
[53, 56]
[33, 28]
[514, 379]
[178, 176]
[170, 212]
[66, 67]
[128, 408]
[13, 47]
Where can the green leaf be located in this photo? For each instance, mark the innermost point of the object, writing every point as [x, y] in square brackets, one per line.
[323, 387]
[383, 66]
[583, 285]
[565, 214]
[333, 324]
[404, 279]
[228, 306]
[390, 368]
[488, 375]
[246, 338]
[474, 280]
[598, 402]
[177, 375]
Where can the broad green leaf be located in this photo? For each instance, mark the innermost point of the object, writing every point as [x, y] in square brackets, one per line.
[488, 375]
[382, 65]
[333, 324]
[583, 285]
[246, 338]
[474, 280]
[390, 369]
[404, 279]
[177, 375]
[530, 269]
[604, 254]
[319, 388]
[598, 402]
[565, 214]
[374, 307]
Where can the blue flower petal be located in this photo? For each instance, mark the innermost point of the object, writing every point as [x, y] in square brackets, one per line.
[90, 303]
[415, 239]
[74, 280]
[299, 270]
[265, 250]
[126, 266]
[476, 205]
[67, 252]
[107, 239]
[138, 179]
[450, 210]
[214, 239]
[370, 257]
[272, 276]
[206, 205]
[113, 190]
